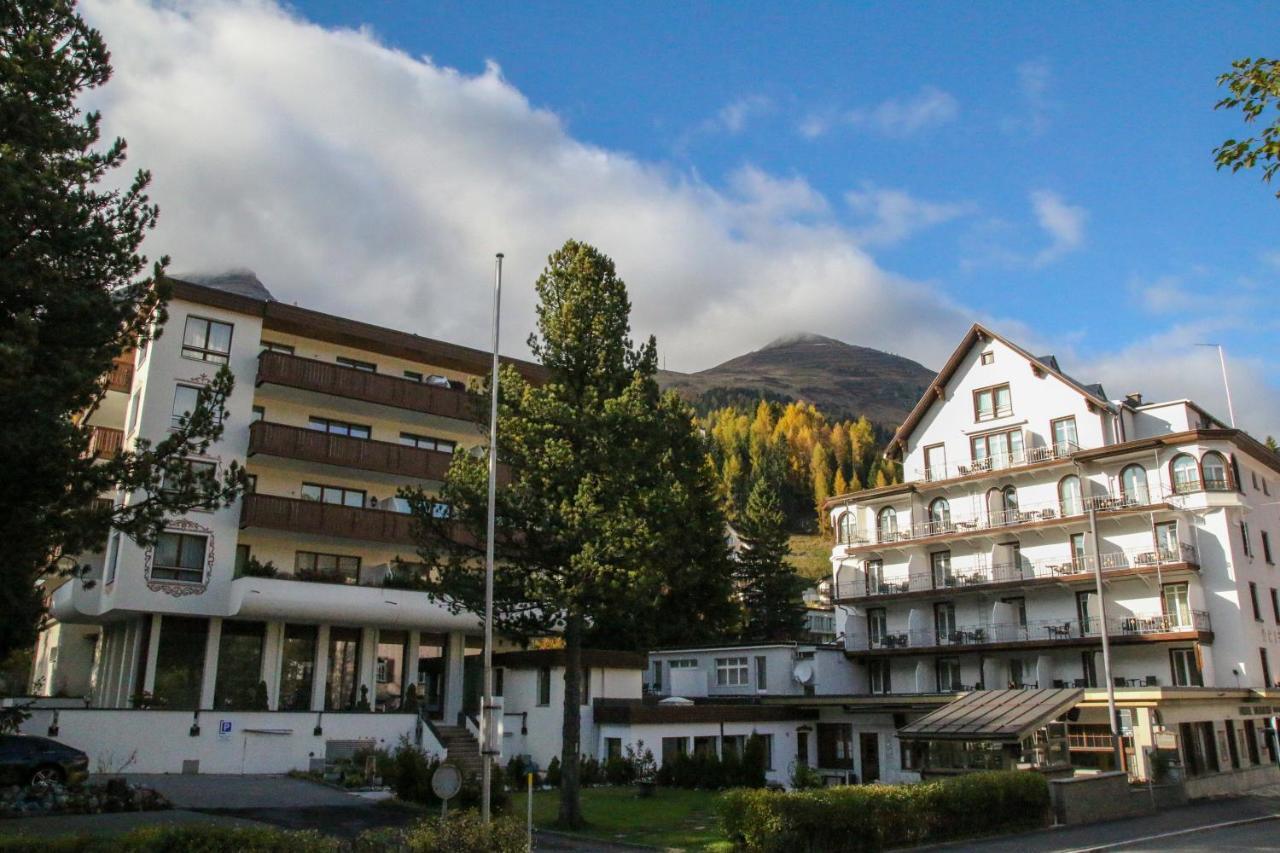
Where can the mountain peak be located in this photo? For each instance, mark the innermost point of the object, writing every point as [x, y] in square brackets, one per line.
[798, 338]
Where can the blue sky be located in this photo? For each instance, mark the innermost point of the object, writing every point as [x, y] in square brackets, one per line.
[1046, 167]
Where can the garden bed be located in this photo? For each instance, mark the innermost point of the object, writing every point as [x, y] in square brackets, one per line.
[113, 795]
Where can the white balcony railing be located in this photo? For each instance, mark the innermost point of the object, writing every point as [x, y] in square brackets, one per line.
[1039, 631]
[982, 572]
[998, 462]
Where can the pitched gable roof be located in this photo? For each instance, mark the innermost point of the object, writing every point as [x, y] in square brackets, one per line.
[978, 333]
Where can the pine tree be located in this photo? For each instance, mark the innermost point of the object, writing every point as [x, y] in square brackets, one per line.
[73, 298]
[770, 591]
[611, 529]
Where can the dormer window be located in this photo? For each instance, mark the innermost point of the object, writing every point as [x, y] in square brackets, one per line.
[988, 357]
[992, 403]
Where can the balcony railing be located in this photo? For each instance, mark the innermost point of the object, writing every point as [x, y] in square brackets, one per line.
[309, 445]
[1039, 632]
[1192, 485]
[326, 519]
[1004, 517]
[998, 462]
[308, 374]
[105, 442]
[979, 573]
[121, 377]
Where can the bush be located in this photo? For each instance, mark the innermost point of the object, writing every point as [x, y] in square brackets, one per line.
[804, 777]
[411, 770]
[461, 832]
[517, 770]
[182, 839]
[853, 819]
[553, 772]
[618, 771]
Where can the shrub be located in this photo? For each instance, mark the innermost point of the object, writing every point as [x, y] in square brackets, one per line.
[589, 772]
[461, 832]
[182, 839]
[755, 760]
[412, 769]
[618, 771]
[517, 769]
[553, 772]
[853, 819]
[804, 777]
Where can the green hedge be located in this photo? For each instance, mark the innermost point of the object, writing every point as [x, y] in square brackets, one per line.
[857, 818]
[461, 833]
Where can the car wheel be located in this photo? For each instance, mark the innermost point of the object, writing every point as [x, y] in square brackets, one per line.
[48, 775]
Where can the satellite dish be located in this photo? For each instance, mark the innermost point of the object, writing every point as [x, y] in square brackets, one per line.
[676, 700]
[803, 673]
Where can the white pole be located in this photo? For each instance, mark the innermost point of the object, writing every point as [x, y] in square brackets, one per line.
[1222, 360]
[486, 705]
[1113, 719]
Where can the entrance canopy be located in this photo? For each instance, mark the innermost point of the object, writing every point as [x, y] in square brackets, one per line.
[993, 715]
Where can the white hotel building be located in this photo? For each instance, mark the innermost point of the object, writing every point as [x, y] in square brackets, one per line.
[978, 571]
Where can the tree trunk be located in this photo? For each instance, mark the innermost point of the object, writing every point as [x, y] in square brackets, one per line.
[571, 733]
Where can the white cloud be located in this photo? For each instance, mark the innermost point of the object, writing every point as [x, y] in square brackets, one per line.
[895, 215]
[376, 185]
[733, 117]
[896, 118]
[1033, 79]
[1064, 223]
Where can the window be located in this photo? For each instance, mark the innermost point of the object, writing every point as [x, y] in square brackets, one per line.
[1184, 667]
[877, 625]
[887, 524]
[673, 748]
[201, 472]
[988, 357]
[544, 685]
[272, 346]
[944, 621]
[940, 564]
[612, 747]
[947, 671]
[206, 340]
[297, 668]
[657, 676]
[426, 442]
[835, 746]
[1070, 500]
[1266, 548]
[1003, 505]
[252, 485]
[1133, 485]
[1253, 599]
[1089, 669]
[179, 557]
[935, 462]
[386, 670]
[1175, 603]
[997, 449]
[1275, 605]
[875, 576]
[499, 677]
[762, 673]
[1266, 668]
[309, 564]
[135, 409]
[845, 528]
[413, 375]
[113, 556]
[1019, 606]
[878, 675]
[259, 414]
[1245, 540]
[939, 515]
[1078, 552]
[1184, 473]
[242, 559]
[356, 364]
[338, 427]
[1254, 476]
[992, 403]
[186, 399]
[731, 672]
[1065, 439]
[1214, 467]
[333, 494]
[584, 687]
[1167, 541]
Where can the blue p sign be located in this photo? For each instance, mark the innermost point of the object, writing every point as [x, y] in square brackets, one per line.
[224, 727]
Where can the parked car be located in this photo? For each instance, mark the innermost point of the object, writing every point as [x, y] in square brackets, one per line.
[30, 760]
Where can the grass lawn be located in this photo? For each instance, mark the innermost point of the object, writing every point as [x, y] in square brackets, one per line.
[673, 818]
[811, 555]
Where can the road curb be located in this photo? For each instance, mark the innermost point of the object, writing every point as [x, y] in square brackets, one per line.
[1116, 845]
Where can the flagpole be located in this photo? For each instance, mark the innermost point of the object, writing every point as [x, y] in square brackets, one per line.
[487, 727]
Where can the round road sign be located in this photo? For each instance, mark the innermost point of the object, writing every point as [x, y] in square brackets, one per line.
[446, 782]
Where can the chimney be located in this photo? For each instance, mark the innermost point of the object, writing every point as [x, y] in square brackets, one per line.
[1134, 399]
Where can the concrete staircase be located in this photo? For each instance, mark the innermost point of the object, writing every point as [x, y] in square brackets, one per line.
[463, 749]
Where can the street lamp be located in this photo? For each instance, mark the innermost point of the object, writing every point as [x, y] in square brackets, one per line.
[1222, 362]
[487, 727]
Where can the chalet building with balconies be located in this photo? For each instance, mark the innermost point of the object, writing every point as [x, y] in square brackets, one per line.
[1021, 486]
[304, 586]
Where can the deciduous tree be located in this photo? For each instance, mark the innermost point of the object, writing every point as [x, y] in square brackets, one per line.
[1254, 88]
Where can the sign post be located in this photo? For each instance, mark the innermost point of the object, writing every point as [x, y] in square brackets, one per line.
[446, 782]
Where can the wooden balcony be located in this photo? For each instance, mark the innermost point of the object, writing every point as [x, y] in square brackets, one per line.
[105, 442]
[309, 445]
[323, 519]
[322, 377]
[121, 376]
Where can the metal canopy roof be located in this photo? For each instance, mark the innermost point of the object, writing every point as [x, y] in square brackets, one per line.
[1004, 715]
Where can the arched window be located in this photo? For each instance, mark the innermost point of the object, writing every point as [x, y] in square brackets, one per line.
[1214, 467]
[1133, 485]
[1184, 474]
[887, 524]
[939, 514]
[1070, 501]
[1009, 502]
[845, 528]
